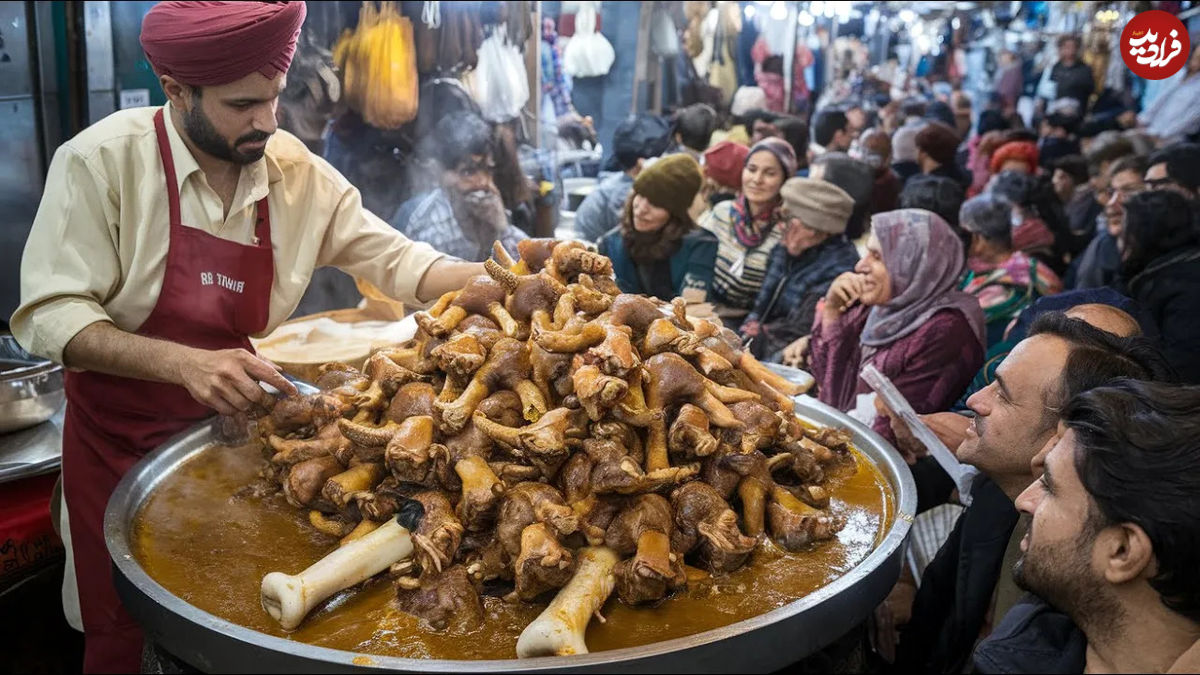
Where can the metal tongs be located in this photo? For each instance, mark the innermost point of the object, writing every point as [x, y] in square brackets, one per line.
[962, 474]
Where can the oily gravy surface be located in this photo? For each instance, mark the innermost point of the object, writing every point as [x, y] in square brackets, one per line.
[206, 541]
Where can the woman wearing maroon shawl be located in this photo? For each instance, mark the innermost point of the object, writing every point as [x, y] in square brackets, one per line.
[900, 310]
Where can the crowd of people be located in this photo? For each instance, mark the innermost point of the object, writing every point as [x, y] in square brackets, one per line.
[1030, 291]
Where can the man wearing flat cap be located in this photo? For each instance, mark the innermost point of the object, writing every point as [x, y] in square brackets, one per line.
[811, 254]
[166, 237]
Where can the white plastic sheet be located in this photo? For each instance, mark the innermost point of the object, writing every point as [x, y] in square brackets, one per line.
[588, 53]
[500, 85]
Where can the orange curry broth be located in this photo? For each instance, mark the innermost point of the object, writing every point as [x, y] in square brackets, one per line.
[211, 547]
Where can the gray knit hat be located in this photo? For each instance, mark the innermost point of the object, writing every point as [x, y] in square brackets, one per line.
[820, 205]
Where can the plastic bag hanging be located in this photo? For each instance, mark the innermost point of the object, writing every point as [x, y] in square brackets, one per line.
[379, 66]
[588, 54]
[500, 84]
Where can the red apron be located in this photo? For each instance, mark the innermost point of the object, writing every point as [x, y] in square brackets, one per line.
[214, 294]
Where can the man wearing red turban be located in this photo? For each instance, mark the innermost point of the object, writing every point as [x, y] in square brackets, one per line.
[166, 237]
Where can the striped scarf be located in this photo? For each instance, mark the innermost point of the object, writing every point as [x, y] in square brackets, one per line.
[751, 232]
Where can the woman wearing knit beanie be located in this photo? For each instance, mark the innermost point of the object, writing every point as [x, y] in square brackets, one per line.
[748, 227]
[658, 250]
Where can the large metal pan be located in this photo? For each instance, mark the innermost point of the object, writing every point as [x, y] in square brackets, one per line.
[764, 643]
[31, 389]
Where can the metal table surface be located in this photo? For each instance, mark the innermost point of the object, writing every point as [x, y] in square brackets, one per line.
[33, 451]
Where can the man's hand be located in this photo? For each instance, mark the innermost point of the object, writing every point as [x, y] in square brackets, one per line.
[445, 275]
[751, 328]
[227, 380]
[843, 293]
[796, 354]
[910, 448]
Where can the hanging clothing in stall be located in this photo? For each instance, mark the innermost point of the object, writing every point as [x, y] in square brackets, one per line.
[746, 40]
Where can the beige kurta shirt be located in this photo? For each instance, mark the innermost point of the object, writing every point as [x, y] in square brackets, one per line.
[98, 247]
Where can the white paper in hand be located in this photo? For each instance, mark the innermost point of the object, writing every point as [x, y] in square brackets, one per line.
[962, 474]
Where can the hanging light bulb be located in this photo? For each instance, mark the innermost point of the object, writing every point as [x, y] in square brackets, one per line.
[907, 16]
[955, 23]
[816, 7]
[750, 11]
[779, 10]
[805, 19]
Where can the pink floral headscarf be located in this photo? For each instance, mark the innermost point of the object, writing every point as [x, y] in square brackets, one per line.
[925, 260]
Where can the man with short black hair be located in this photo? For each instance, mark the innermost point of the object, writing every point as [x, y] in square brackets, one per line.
[1175, 167]
[937, 147]
[831, 130]
[1073, 78]
[1115, 539]
[694, 126]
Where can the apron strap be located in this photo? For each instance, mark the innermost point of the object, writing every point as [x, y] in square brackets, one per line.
[262, 224]
[168, 162]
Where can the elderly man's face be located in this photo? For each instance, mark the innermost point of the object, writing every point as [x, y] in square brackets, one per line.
[471, 175]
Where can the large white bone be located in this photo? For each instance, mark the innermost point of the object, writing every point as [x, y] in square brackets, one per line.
[559, 630]
[289, 598]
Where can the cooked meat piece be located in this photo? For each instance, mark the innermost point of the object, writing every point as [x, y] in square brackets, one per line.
[304, 481]
[445, 600]
[643, 527]
[411, 400]
[795, 524]
[436, 539]
[705, 523]
[543, 564]
[528, 503]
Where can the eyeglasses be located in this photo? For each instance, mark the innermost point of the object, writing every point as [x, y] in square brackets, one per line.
[1125, 193]
[1160, 183]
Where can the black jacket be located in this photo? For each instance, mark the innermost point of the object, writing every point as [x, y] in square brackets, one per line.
[957, 586]
[1075, 81]
[1032, 638]
[1169, 291]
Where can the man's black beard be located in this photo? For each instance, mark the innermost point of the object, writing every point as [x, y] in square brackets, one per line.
[206, 137]
[1065, 579]
[480, 214]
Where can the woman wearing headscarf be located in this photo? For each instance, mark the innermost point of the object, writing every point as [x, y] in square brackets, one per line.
[1004, 280]
[901, 311]
[748, 228]
[658, 250]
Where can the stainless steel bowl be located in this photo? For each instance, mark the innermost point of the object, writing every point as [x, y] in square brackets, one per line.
[31, 389]
[764, 643]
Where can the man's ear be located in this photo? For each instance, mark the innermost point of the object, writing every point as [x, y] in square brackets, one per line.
[1126, 553]
[178, 93]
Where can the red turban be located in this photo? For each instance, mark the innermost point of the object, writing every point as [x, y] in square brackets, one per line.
[724, 161]
[1021, 151]
[210, 43]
